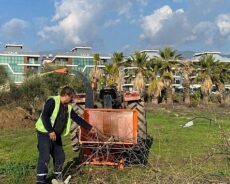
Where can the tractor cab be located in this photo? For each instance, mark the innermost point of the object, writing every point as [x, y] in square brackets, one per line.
[110, 98]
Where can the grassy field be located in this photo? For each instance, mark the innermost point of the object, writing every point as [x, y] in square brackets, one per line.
[199, 154]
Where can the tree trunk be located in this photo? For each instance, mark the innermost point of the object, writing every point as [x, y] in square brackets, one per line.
[186, 95]
[169, 99]
[220, 88]
[205, 99]
[155, 100]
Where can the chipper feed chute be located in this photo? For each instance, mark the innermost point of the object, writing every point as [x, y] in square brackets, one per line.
[117, 133]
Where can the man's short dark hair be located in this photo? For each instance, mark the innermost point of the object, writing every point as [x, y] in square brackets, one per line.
[67, 91]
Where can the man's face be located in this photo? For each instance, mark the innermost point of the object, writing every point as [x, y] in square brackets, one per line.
[68, 99]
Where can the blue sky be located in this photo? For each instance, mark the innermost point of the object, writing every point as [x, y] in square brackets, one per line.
[116, 25]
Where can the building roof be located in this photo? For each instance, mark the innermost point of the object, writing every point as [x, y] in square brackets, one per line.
[13, 45]
[76, 48]
[216, 55]
[79, 52]
[70, 55]
[17, 50]
[149, 50]
[23, 54]
[205, 53]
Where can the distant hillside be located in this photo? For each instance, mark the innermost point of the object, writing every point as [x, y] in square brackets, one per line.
[187, 54]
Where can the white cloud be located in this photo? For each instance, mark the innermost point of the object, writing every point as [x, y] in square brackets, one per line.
[79, 22]
[163, 26]
[153, 23]
[143, 2]
[124, 10]
[72, 20]
[180, 28]
[223, 23]
[205, 31]
[112, 23]
[13, 28]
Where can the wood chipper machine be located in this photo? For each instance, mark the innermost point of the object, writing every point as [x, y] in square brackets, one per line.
[117, 133]
[121, 127]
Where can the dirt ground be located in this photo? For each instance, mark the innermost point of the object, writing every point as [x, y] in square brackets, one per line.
[15, 117]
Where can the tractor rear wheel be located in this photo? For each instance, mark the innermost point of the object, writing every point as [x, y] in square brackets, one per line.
[139, 153]
[142, 124]
[75, 128]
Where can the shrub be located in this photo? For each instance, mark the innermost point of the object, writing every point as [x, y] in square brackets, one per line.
[32, 91]
[3, 75]
[55, 81]
[5, 98]
[35, 89]
[195, 99]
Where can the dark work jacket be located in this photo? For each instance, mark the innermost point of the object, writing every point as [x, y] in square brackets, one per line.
[61, 120]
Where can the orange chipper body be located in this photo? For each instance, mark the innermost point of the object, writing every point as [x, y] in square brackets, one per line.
[118, 132]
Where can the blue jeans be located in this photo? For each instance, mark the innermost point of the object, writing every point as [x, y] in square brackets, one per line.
[47, 147]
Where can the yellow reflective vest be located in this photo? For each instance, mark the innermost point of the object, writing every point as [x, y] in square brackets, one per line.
[39, 124]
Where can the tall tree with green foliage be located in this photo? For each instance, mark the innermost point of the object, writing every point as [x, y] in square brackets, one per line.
[139, 60]
[156, 85]
[95, 73]
[207, 63]
[118, 62]
[108, 77]
[169, 58]
[187, 69]
[212, 72]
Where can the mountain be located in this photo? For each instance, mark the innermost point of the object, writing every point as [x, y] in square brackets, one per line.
[187, 54]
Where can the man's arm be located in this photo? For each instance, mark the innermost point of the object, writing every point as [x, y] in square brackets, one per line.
[46, 114]
[80, 121]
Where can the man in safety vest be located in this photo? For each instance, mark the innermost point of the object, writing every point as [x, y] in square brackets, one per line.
[54, 121]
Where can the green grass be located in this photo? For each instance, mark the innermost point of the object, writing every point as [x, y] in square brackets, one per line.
[179, 155]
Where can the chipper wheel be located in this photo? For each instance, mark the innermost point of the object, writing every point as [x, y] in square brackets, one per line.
[139, 154]
[79, 108]
[142, 124]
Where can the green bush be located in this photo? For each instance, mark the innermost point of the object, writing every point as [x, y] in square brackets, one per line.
[55, 82]
[5, 98]
[177, 97]
[195, 99]
[35, 90]
[32, 91]
[3, 75]
[8, 97]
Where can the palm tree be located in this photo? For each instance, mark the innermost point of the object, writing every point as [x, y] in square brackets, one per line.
[96, 59]
[209, 73]
[154, 89]
[156, 85]
[169, 58]
[118, 62]
[219, 75]
[108, 77]
[187, 69]
[95, 73]
[139, 59]
[223, 77]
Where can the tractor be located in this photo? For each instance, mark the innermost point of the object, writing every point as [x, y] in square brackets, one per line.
[121, 121]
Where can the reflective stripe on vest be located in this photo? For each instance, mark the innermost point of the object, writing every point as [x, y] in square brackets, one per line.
[39, 124]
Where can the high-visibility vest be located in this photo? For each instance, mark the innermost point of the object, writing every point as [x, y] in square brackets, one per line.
[39, 124]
